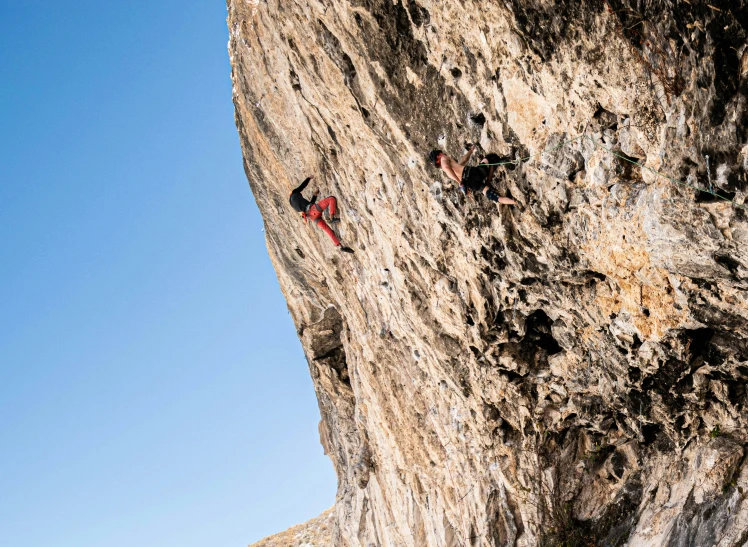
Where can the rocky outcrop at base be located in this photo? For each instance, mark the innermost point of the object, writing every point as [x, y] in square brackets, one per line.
[573, 368]
[316, 532]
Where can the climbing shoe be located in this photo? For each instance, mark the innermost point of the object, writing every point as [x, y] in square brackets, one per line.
[335, 219]
[492, 195]
[346, 250]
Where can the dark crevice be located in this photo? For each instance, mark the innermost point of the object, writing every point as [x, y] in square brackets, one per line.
[478, 119]
[707, 197]
[728, 262]
[325, 345]
[539, 333]
[650, 433]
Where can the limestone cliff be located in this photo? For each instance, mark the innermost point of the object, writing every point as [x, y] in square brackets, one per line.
[573, 369]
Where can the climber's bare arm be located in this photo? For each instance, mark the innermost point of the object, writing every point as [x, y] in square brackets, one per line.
[491, 171]
[464, 159]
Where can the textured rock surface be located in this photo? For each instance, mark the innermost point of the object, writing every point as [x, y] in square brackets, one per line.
[313, 533]
[575, 367]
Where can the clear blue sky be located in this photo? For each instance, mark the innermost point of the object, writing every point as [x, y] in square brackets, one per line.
[152, 388]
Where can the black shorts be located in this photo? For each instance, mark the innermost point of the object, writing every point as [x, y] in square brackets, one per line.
[474, 177]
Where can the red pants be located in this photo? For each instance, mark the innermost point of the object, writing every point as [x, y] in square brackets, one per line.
[315, 213]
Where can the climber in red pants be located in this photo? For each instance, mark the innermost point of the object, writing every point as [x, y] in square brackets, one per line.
[311, 210]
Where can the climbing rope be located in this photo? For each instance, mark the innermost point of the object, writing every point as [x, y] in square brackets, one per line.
[674, 181]
[620, 156]
[526, 158]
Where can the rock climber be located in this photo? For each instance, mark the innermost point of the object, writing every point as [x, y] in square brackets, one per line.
[475, 178]
[312, 210]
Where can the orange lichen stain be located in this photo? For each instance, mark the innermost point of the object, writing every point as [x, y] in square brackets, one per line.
[526, 110]
[589, 334]
[638, 288]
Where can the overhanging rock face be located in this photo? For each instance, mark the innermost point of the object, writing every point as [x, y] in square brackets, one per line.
[574, 367]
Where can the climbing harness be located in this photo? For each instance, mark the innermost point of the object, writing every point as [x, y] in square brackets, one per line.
[709, 190]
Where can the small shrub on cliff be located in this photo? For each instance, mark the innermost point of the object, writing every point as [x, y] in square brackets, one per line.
[563, 530]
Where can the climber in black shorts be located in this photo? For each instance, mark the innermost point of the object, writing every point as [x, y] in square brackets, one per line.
[475, 178]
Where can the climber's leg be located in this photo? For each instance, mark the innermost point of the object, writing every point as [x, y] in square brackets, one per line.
[491, 168]
[491, 194]
[332, 203]
[322, 224]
